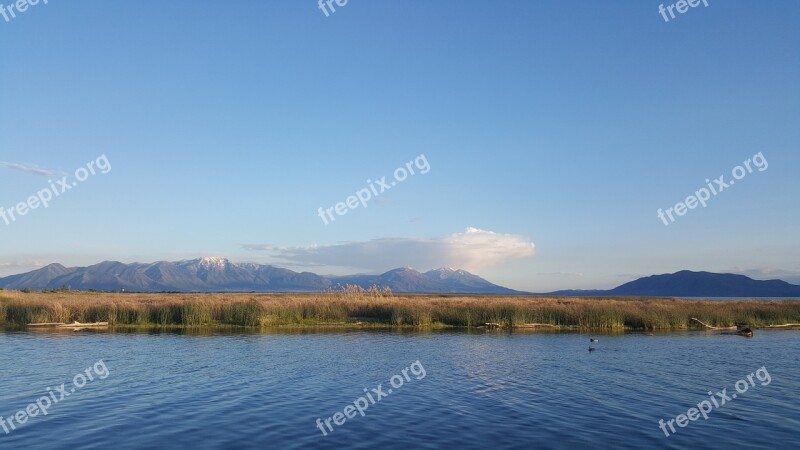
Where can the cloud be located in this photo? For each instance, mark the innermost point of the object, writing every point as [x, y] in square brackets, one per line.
[471, 249]
[21, 264]
[791, 276]
[15, 267]
[27, 168]
[560, 274]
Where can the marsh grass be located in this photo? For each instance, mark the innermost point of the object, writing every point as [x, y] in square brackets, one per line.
[379, 308]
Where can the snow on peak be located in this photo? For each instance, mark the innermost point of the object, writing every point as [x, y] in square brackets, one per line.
[449, 270]
[213, 261]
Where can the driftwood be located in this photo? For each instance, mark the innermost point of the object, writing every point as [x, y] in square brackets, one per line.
[75, 325]
[743, 331]
[786, 325]
[713, 328]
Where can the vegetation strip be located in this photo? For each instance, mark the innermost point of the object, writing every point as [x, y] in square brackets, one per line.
[381, 308]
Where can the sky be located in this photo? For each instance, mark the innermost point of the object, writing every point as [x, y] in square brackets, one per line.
[543, 136]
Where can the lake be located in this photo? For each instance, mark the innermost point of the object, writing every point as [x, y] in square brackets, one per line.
[224, 390]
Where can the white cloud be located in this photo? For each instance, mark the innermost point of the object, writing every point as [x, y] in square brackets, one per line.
[559, 274]
[15, 267]
[471, 249]
[788, 275]
[22, 264]
[27, 168]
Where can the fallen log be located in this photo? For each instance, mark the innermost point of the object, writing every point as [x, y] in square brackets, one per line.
[75, 324]
[534, 325]
[786, 325]
[713, 328]
[85, 325]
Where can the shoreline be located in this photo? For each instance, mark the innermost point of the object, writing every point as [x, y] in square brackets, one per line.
[391, 311]
[225, 329]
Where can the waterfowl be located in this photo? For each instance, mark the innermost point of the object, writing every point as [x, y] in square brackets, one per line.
[593, 340]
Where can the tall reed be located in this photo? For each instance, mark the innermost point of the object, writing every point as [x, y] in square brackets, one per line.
[378, 307]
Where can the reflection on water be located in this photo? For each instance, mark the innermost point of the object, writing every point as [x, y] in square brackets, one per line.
[244, 388]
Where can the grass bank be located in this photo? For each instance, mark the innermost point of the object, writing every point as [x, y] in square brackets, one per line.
[382, 309]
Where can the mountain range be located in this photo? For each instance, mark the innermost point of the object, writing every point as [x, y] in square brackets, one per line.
[696, 284]
[215, 274]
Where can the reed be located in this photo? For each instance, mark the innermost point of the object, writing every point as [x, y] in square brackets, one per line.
[380, 308]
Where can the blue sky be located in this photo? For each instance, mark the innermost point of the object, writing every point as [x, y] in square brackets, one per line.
[558, 125]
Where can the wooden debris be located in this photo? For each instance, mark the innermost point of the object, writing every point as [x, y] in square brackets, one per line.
[713, 328]
[74, 325]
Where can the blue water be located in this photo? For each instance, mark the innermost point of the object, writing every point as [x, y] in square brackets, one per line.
[479, 390]
[755, 299]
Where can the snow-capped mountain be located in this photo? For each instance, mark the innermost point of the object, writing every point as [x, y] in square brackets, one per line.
[217, 274]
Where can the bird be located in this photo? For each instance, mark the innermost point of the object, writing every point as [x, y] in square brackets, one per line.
[591, 349]
[593, 340]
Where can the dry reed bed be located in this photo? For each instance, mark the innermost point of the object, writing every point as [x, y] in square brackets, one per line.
[265, 310]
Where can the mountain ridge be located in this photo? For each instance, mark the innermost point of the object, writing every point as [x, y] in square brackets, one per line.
[686, 283]
[216, 274]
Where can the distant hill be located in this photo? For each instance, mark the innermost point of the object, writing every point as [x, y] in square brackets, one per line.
[221, 275]
[444, 280]
[214, 274]
[696, 284]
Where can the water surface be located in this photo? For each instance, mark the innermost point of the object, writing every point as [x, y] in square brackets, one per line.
[486, 389]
